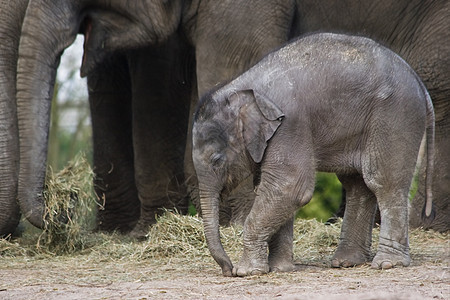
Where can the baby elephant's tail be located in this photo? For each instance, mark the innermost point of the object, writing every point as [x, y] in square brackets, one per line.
[428, 212]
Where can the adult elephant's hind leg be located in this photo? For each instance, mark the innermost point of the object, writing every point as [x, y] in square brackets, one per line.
[110, 102]
[160, 118]
[356, 233]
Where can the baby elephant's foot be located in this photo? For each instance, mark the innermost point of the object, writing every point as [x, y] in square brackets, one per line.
[388, 257]
[281, 265]
[387, 261]
[346, 258]
[247, 267]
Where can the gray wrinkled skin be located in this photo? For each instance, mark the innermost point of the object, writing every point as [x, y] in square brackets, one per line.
[11, 17]
[325, 102]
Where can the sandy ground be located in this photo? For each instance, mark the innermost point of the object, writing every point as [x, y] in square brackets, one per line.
[174, 263]
[77, 278]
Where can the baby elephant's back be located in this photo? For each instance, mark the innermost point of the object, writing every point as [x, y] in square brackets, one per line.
[351, 73]
[344, 87]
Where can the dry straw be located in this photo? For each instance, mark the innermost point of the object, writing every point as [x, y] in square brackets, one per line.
[69, 210]
[178, 235]
[70, 199]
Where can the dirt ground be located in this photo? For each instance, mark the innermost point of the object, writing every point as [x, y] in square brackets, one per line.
[107, 276]
[121, 280]
[144, 281]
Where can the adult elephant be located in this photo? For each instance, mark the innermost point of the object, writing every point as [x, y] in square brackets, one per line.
[133, 159]
[110, 93]
[11, 17]
[228, 37]
[139, 108]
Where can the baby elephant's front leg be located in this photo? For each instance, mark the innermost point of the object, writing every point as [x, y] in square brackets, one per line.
[269, 223]
[254, 260]
[281, 257]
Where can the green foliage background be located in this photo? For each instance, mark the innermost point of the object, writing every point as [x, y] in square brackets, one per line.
[326, 199]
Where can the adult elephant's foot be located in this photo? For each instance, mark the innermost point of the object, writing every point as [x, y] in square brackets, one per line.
[392, 255]
[148, 216]
[247, 267]
[345, 257]
[140, 231]
[111, 221]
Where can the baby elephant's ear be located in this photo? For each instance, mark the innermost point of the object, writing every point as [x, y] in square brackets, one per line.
[260, 119]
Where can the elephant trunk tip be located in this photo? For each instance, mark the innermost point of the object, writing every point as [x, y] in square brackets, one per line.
[35, 217]
[227, 270]
[223, 260]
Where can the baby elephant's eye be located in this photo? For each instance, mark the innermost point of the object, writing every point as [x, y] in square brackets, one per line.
[217, 159]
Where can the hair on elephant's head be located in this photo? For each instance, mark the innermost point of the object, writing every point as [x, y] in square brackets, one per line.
[230, 134]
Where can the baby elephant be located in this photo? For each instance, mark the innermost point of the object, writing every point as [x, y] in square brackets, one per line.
[325, 102]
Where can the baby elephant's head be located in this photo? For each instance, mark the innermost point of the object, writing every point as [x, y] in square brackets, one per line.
[230, 134]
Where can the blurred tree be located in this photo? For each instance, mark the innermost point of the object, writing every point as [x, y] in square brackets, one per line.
[70, 130]
[326, 199]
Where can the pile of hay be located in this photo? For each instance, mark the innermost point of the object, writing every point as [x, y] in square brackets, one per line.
[69, 212]
[183, 236]
[180, 239]
[70, 217]
[315, 242]
[175, 235]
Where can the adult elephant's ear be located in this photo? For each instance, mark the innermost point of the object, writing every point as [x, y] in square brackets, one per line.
[260, 120]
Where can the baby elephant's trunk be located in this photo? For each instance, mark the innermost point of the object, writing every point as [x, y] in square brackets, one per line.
[210, 211]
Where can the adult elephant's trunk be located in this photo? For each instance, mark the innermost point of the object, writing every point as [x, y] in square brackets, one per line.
[10, 25]
[46, 32]
[209, 202]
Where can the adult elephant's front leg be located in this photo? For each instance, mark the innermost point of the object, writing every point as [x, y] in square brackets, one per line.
[110, 100]
[160, 117]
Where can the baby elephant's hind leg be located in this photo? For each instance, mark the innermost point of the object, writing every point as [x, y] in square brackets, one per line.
[393, 246]
[389, 177]
[356, 233]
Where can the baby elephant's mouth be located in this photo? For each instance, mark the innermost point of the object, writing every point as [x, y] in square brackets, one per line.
[234, 183]
[224, 194]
